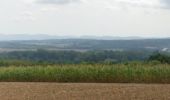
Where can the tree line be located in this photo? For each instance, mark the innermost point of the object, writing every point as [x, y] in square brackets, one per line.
[101, 56]
[46, 57]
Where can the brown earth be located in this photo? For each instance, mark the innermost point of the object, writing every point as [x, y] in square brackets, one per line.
[83, 91]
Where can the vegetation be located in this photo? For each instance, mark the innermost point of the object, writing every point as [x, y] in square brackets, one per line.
[118, 73]
[73, 57]
[163, 58]
[91, 66]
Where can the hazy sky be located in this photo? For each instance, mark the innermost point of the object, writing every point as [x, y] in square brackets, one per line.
[86, 17]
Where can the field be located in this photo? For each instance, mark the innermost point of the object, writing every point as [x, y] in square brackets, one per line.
[83, 91]
[97, 73]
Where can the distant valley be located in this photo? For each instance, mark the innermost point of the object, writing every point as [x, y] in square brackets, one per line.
[79, 44]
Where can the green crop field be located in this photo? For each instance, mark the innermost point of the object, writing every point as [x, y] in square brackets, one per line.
[97, 73]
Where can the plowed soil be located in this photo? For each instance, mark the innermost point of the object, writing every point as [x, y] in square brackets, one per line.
[83, 91]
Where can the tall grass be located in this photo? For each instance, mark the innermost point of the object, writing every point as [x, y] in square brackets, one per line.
[88, 73]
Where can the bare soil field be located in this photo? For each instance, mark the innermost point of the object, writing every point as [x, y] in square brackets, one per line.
[83, 91]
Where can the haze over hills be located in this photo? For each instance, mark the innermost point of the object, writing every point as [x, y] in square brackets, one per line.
[4, 37]
[22, 42]
[34, 42]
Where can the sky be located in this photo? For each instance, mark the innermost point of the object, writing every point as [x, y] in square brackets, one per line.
[145, 18]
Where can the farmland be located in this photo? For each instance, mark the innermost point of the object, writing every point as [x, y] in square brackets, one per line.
[85, 69]
[96, 73]
[83, 91]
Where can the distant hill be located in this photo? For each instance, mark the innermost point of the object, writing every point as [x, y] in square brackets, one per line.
[86, 44]
[4, 37]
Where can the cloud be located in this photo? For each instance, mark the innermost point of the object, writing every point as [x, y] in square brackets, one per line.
[151, 4]
[165, 4]
[58, 2]
[125, 4]
[112, 4]
[24, 16]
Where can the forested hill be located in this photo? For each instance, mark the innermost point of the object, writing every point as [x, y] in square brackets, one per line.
[87, 44]
[65, 57]
[82, 50]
